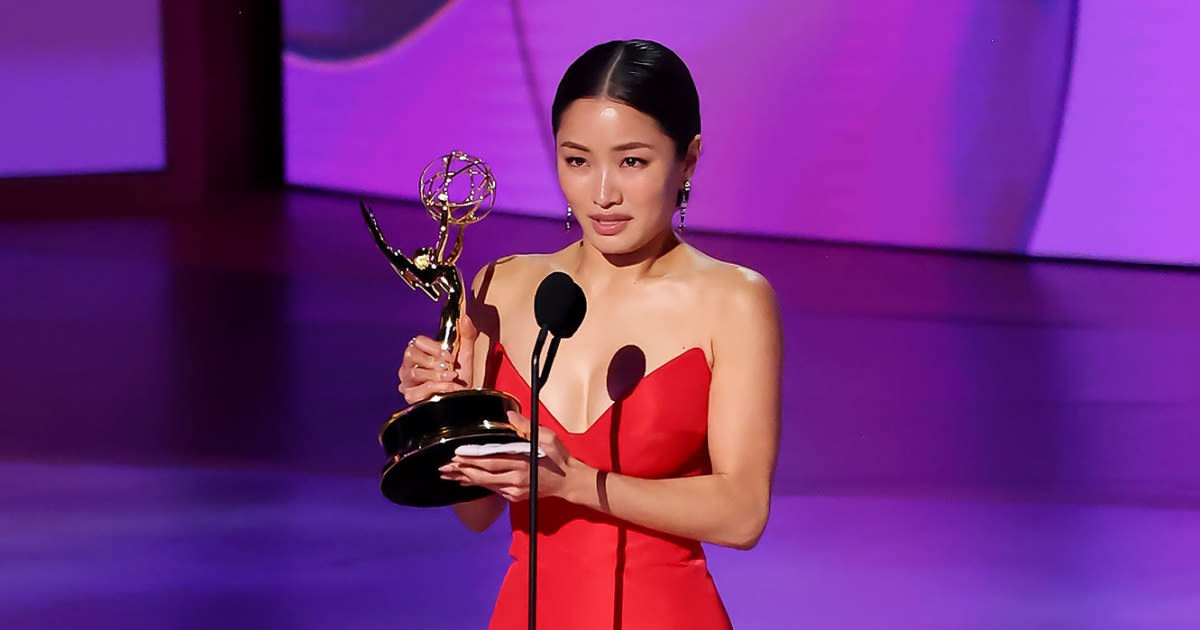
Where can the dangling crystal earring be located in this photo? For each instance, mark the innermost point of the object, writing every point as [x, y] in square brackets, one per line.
[683, 202]
[569, 214]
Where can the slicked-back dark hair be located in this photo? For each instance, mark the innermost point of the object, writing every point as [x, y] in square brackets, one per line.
[645, 75]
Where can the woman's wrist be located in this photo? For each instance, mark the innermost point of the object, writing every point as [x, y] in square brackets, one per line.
[580, 483]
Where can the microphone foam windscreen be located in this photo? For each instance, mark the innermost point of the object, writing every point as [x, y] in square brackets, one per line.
[559, 305]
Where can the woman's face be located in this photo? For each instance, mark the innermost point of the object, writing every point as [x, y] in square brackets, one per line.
[619, 173]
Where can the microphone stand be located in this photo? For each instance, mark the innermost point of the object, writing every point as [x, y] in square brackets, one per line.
[539, 378]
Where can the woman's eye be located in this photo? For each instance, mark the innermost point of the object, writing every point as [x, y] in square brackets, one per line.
[633, 161]
[575, 161]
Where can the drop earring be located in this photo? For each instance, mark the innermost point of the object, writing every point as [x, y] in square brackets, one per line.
[683, 203]
[569, 214]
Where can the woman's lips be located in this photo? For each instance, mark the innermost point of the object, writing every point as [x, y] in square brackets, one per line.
[610, 224]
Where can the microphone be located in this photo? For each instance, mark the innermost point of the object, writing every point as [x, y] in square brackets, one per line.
[558, 306]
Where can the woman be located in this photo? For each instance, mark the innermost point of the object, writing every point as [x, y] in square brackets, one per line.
[663, 409]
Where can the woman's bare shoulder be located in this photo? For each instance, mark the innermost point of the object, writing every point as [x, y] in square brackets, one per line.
[722, 279]
[513, 277]
[729, 292]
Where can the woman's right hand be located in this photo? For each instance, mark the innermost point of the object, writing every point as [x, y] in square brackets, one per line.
[428, 370]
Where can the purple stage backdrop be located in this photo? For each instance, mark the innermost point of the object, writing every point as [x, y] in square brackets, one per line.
[883, 122]
[81, 88]
[1125, 184]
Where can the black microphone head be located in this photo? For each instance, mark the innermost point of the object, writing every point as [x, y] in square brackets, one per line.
[559, 305]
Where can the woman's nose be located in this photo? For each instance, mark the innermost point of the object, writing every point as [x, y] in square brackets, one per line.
[607, 192]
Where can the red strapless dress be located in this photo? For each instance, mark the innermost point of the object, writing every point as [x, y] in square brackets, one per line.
[596, 571]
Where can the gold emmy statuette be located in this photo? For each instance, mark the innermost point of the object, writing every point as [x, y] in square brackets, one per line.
[457, 189]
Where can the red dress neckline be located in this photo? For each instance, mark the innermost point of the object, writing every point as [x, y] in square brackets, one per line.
[542, 409]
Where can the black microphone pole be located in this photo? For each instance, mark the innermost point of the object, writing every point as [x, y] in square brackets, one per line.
[540, 374]
[559, 307]
[534, 396]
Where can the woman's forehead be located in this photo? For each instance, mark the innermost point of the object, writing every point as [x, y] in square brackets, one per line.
[605, 119]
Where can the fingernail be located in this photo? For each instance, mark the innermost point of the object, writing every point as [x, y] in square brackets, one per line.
[442, 365]
[447, 376]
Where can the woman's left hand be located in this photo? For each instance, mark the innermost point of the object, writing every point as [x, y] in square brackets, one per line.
[508, 475]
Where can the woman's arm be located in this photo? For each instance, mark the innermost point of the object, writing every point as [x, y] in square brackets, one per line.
[730, 506]
[478, 515]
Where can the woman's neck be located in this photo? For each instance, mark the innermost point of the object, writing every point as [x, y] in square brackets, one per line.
[598, 270]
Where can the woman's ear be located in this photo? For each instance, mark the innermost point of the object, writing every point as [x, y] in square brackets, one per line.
[690, 158]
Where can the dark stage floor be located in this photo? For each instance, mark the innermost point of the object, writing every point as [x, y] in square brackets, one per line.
[190, 411]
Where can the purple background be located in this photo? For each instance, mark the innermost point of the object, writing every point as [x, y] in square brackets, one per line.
[883, 122]
[81, 87]
[1125, 184]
